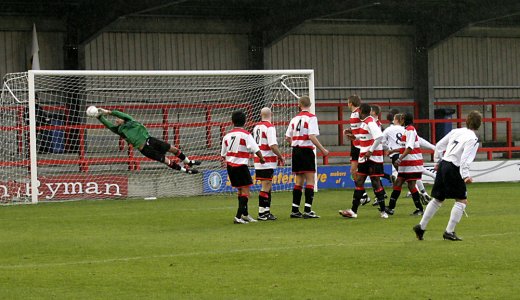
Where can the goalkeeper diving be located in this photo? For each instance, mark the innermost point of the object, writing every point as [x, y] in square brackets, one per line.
[137, 135]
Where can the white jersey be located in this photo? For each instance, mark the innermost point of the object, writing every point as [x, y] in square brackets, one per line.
[392, 137]
[236, 147]
[459, 147]
[264, 134]
[301, 126]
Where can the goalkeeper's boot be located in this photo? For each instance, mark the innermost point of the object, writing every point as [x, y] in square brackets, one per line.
[174, 165]
[191, 171]
[310, 215]
[419, 232]
[451, 236]
[194, 163]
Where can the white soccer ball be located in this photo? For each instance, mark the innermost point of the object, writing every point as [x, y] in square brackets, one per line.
[92, 112]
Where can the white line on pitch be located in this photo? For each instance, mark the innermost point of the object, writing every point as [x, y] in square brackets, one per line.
[230, 251]
[134, 258]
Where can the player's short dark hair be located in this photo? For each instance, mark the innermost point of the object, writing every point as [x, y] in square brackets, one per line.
[376, 109]
[239, 118]
[474, 120]
[365, 109]
[408, 118]
[355, 100]
[391, 114]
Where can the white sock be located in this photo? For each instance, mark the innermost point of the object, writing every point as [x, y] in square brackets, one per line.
[186, 160]
[456, 215]
[428, 173]
[394, 171]
[429, 212]
[420, 186]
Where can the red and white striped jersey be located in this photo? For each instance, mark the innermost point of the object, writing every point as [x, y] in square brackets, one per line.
[301, 126]
[236, 146]
[264, 134]
[413, 162]
[355, 124]
[368, 132]
[379, 124]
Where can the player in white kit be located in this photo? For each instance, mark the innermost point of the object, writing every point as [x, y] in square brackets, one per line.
[458, 150]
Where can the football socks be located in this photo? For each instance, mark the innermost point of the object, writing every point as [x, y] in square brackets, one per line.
[309, 197]
[297, 198]
[429, 212]
[456, 215]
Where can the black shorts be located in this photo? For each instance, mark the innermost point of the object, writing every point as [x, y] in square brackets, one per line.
[410, 176]
[264, 174]
[394, 158]
[448, 183]
[354, 153]
[239, 176]
[370, 168]
[155, 149]
[303, 160]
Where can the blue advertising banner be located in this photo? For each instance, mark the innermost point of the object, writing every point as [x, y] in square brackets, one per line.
[329, 177]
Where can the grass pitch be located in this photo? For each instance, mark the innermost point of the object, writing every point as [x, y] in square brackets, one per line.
[189, 248]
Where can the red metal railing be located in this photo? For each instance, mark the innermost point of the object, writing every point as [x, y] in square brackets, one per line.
[134, 162]
[493, 104]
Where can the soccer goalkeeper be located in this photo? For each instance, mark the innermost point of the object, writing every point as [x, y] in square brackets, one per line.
[137, 135]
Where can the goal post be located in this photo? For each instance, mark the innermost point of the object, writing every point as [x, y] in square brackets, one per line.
[53, 152]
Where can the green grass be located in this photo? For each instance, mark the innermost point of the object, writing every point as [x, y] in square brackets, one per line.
[188, 248]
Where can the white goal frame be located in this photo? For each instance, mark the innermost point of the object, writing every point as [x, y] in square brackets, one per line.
[32, 98]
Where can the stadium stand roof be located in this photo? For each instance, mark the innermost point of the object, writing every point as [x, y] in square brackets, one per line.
[274, 19]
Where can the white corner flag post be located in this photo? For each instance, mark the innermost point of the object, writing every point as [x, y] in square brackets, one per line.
[35, 65]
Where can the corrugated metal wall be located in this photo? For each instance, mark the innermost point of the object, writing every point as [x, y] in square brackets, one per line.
[15, 50]
[167, 51]
[477, 67]
[376, 66]
[373, 66]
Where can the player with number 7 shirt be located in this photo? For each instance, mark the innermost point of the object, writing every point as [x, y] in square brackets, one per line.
[458, 150]
[236, 147]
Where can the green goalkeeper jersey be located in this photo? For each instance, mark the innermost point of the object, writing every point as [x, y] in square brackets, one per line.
[132, 131]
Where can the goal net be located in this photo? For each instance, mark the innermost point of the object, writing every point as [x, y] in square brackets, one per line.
[52, 150]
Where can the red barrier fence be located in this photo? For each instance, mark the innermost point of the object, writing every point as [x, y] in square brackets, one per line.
[493, 105]
[134, 162]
